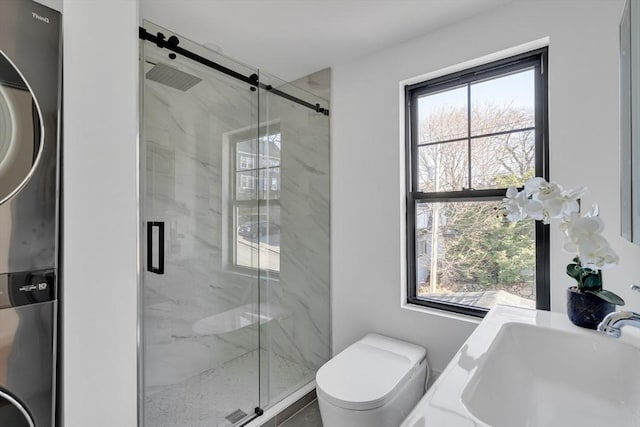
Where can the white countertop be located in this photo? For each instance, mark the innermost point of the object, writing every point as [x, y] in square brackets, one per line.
[443, 406]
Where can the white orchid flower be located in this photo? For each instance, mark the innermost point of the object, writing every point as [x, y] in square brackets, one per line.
[554, 208]
[544, 201]
[515, 204]
[596, 254]
[536, 210]
[512, 192]
[584, 238]
[575, 194]
[547, 191]
[594, 211]
[570, 203]
[533, 185]
[579, 227]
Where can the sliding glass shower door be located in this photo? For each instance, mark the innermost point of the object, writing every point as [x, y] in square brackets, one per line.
[235, 213]
[200, 318]
[294, 279]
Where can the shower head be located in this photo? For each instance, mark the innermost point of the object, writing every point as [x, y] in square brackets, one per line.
[172, 77]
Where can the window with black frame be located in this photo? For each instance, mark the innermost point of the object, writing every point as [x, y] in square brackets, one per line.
[471, 135]
[255, 201]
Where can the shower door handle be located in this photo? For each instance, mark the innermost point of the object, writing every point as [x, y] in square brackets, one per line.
[150, 267]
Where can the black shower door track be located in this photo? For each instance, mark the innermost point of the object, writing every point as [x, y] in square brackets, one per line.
[172, 44]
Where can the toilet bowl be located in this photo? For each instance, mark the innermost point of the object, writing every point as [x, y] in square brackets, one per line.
[374, 382]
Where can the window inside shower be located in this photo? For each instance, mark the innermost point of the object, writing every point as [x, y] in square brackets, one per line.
[254, 188]
[235, 192]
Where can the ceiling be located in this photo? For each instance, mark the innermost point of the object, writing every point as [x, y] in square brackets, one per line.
[293, 38]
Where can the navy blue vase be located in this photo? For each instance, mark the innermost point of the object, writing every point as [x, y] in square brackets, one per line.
[586, 310]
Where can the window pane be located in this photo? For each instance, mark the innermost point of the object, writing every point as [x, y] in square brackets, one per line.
[503, 103]
[246, 155]
[443, 167]
[246, 185]
[270, 150]
[257, 236]
[502, 160]
[468, 253]
[443, 116]
[270, 183]
[266, 153]
[245, 248]
[270, 238]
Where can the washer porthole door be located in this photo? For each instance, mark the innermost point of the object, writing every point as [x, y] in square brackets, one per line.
[20, 130]
[12, 413]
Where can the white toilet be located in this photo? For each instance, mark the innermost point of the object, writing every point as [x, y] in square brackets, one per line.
[374, 382]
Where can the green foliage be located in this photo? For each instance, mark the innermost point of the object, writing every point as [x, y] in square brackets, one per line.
[474, 243]
[505, 181]
[575, 271]
[590, 281]
[608, 296]
[484, 248]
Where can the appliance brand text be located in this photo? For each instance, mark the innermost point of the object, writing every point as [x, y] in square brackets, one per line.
[40, 18]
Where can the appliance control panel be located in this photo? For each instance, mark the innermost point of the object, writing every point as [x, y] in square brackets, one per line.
[30, 287]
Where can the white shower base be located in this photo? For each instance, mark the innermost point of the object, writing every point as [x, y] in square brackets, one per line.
[206, 399]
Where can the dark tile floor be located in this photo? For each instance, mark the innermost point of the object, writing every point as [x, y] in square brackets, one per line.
[309, 416]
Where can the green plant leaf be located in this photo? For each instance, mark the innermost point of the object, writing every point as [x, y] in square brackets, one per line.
[573, 270]
[608, 296]
[591, 282]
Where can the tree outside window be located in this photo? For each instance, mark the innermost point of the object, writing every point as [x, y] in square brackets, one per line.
[472, 135]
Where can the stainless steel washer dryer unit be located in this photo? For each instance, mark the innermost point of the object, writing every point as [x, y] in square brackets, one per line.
[29, 107]
[29, 151]
[27, 349]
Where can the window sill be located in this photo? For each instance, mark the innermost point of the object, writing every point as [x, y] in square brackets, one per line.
[441, 313]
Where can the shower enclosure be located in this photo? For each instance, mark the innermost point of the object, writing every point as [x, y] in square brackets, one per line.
[235, 214]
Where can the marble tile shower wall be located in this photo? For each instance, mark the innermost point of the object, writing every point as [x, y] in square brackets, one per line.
[303, 290]
[187, 187]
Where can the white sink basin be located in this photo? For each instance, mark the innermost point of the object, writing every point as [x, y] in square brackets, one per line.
[540, 377]
[527, 368]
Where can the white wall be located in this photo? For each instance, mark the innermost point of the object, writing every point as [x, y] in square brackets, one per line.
[367, 196]
[367, 158]
[100, 224]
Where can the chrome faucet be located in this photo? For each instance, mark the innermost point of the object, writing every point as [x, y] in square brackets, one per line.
[612, 322]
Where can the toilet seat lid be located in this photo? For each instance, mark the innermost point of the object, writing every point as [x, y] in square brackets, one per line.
[367, 374]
